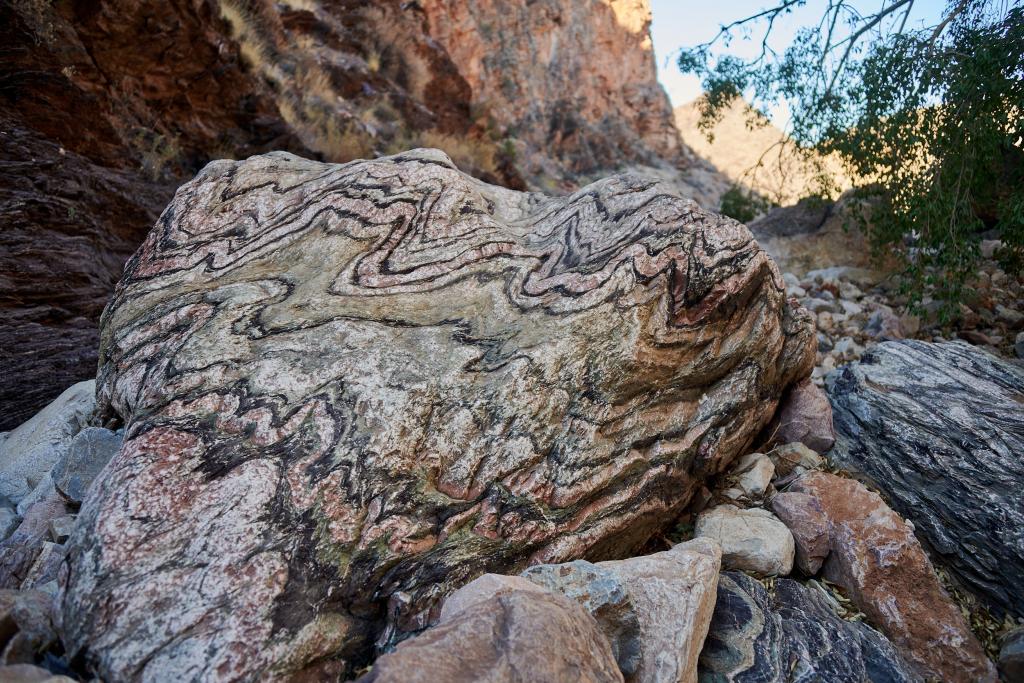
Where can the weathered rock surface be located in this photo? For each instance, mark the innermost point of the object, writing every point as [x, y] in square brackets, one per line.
[515, 636]
[97, 134]
[939, 428]
[26, 626]
[29, 452]
[582, 72]
[788, 457]
[792, 636]
[20, 553]
[82, 460]
[804, 416]
[805, 519]
[369, 383]
[673, 595]
[753, 473]
[751, 539]
[1011, 656]
[602, 593]
[27, 673]
[876, 559]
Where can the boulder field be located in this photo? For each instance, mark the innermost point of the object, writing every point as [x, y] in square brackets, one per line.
[384, 421]
[349, 389]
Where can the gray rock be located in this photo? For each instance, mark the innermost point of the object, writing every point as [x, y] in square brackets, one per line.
[29, 451]
[792, 637]
[751, 539]
[603, 595]
[939, 428]
[1018, 345]
[9, 521]
[26, 626]
[883, 324]
[753, 473]
[655, 609]
[61, 528]
[84, 458]
[19, 552]
[1011, 656]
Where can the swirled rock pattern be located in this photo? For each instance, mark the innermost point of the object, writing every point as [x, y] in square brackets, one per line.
[349, 389]
[939, 428]
[792, 635]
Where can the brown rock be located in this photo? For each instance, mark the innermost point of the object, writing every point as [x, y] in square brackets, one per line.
[788, 457]
[882, 567]
[805, 416]
[366, 384]
[513, 636]
[809, 526]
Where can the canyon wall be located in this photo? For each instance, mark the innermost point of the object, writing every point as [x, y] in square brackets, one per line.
[109, 105]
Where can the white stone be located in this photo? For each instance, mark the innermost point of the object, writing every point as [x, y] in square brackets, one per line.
[753, 539]
[31, 449]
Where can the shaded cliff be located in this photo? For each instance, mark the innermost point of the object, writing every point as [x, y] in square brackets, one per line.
[108, 105]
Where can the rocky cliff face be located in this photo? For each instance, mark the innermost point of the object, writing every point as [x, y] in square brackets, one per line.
[572, 82]
[107, 106]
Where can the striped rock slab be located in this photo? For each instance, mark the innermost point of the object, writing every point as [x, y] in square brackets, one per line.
[350, 389]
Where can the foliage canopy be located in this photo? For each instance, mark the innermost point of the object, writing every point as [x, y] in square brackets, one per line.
[929, 119]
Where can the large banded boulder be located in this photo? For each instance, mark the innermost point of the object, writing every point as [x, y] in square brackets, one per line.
[350, 389]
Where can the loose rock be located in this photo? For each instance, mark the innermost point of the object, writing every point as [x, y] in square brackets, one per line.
[940, 429]
[805, 416]
[788, 457]
[29, 451]
[803, 516]
[875, 558]
[751, 539]
[26, 626]
[83, 459]
[754, 472]
[792, 636]
[1011, 656]
[516, 636]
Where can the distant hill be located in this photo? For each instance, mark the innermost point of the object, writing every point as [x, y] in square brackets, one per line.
[737, 149]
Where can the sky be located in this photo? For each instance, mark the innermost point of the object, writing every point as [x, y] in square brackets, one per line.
[678, 23]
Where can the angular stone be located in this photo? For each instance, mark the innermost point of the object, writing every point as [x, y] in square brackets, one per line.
[673, 595]
[939, 428]
[367, 384]
[26, 626]
[753, 473]
[9, 521]
[83, 459]
[788, 457]
[481, 589]
[516, 635]
[802, 514]
[61, 528]
[751, 539]
[42, 575]
[601, 592]
[792, 636]
[876, 559]
[20, 551]
[804, 416]
[29, 451]
[1011, 656]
